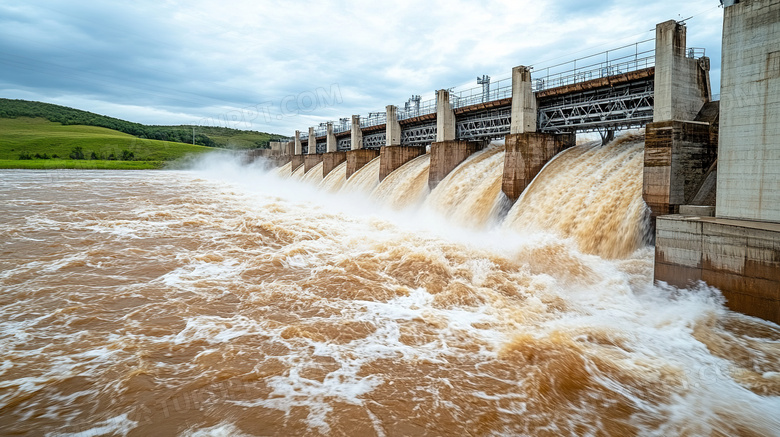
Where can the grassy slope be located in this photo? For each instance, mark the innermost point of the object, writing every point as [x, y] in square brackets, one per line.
[204, 135]
[37, 135]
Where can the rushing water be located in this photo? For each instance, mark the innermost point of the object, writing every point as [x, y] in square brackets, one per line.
[405, 187]
[364, 180]
[314, 175]
[335, 179]
[471, 194]
[591, 193]
[228, 301]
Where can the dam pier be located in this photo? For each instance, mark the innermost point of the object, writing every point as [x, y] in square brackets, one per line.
[711, 173]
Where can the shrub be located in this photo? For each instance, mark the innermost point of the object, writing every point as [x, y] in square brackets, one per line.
[77, 153]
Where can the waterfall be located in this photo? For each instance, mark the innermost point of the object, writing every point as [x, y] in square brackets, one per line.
[365, 179]
[407, 186]
[592, 194]
[335, 179]
[284, 170]
[298, 173]
[589, 193]
[314, 175]
[471, 194]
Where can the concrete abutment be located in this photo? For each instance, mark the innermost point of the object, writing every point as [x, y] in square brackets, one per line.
[297, 161]
[678, 155]
[739, 257]
[332, 160]
[446, 155]
[310, 161]
[738, 250]
[392, 157]
[526, 154]
[357, 159]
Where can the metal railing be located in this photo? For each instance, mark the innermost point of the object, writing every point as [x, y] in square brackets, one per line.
[695, 52]
[426, 107]
[499, 89]
[620, 60]
[344, 125]
[373, 119]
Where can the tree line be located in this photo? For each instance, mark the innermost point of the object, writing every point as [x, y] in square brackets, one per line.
[78, 153]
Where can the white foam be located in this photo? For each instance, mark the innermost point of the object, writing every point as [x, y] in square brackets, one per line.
[120, 424]
[223, 429]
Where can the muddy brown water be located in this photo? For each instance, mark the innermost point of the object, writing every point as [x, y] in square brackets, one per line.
[226, 301]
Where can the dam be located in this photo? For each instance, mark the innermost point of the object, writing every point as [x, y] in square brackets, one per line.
[358, 297]
[662, 86]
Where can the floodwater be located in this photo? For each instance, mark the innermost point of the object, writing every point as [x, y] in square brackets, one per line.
[230, 301]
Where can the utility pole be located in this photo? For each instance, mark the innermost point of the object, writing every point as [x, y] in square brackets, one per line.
[193, 135]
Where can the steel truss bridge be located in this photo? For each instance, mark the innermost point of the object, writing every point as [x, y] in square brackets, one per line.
[621, 107]
[484, 125]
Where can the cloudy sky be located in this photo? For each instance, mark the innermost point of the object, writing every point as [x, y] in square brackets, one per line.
[277, 66]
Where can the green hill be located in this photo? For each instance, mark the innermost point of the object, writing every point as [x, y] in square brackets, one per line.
[39, 143]
[204, 135]
[43, 135]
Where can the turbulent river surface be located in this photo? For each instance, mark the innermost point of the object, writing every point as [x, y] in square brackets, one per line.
[230, 301]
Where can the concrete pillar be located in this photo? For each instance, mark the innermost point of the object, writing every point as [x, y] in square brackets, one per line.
[526, 154]
[678, 155]
[356, 159]
[749, 149]
[682, 84]
[678, 149]
[298, 148]
[447, 155]
[332, 160]
[356, 134]
[392, 157]
[297, 161]
[312, 149]
[523, 102]
[311, 160]
[331, 139]
[283, 159]
[392, 128]
[445, 117]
